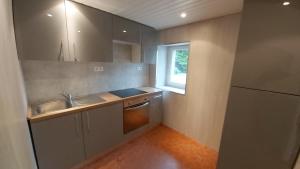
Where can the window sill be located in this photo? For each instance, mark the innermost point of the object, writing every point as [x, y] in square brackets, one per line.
[172, 89]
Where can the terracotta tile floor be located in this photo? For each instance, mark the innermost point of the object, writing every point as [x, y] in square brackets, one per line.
[160, 148]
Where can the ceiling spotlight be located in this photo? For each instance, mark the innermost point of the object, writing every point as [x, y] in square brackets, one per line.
[183, 15]
[78, 31]
[49, 14]
[286, 3]
[124, 31]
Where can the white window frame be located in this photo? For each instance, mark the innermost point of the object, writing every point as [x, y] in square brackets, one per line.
[170, 61]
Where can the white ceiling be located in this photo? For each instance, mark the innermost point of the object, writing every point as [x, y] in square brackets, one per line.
[162, 14]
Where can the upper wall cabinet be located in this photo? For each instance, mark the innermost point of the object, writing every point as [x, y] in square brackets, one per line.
[89, 32]
[63, 30]
[126, 30]
[41, 32]
[149, 44]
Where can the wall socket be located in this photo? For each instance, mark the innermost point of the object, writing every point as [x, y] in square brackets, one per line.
[139, 68]
[98, 69]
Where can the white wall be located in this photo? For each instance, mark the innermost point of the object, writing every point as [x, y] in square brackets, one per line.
[200, 113]
[15, 145]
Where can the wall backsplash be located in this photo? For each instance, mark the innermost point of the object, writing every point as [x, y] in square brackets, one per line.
[46, 80]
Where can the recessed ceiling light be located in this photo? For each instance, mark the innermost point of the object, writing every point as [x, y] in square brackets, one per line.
[183, 15]
[286, 3]
[49, 14]
[124, 31]
[78, 31]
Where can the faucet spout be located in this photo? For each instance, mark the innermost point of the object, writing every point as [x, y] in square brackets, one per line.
[69, 99]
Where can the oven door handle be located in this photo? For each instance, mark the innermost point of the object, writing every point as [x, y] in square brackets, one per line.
[137, 107]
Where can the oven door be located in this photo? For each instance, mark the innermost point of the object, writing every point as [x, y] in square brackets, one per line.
[135, 116]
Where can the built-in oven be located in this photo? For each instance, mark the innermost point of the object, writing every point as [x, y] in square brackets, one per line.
[136, 113]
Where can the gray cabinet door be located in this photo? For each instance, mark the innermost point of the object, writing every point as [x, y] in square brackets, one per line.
[103, 128]
[40, 27]
[89, 33]
[58, 142]
[149, 44]
[261, 130]
[126, 30]
[156, 109]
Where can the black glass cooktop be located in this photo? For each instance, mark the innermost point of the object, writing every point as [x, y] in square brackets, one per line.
[127, 92]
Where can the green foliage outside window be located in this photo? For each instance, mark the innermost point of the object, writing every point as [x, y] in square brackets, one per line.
[181, 61]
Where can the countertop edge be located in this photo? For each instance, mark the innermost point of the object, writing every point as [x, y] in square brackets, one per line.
[37, 118]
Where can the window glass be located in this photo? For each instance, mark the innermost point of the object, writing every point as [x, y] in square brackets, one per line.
[172, 67]
[179, 66]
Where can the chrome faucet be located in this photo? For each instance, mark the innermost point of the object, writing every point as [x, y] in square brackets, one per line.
[69, 99]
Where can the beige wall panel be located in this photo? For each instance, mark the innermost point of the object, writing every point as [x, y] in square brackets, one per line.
[200, 113]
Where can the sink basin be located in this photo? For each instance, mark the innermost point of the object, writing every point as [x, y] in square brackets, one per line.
[93, 99]
[57, 105]
[50, 106]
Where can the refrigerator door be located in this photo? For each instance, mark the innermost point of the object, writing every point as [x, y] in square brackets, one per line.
[268, 51]
[261, 130]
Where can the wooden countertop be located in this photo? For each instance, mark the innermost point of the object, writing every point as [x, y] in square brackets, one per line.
[108, 97]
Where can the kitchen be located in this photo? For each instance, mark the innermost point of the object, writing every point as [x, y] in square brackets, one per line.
[149, 84]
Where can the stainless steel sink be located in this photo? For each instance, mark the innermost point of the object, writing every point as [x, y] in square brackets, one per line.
[50, 106]
[57, 105]
[93, 99]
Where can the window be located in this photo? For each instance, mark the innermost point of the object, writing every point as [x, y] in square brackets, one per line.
[177, 63]
[172, 67]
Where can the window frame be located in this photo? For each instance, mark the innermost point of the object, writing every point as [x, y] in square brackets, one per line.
[170, 57]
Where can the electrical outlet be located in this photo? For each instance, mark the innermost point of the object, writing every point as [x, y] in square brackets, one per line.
[98, 69]
[139, 68]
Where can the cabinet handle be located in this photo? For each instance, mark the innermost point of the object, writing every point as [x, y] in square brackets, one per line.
[74, 50]
[88, 121]
[61, 52]
[77, 125]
